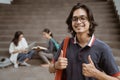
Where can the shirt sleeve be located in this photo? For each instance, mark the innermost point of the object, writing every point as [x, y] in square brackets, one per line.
[50, 47]
[108, 63]
[11, 48]
[24, 43]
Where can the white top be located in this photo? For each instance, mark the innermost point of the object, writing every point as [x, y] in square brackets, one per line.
[21, 45]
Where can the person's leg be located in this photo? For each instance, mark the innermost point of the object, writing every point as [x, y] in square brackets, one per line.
[25, 57]
[30, 54]
[22, 59]
[15, 64]
[49, 55]
[45, 57]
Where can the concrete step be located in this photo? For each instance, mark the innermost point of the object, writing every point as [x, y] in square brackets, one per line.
[57, 32]
[4, 44]
[38, 32]
[52, 23]
[39, 14]
[28, 29]
[117, 59]
[108, 31]
[114, 44]
[33, 38]
[105, 20]
[116, 52]
[108, 37]
[52, 1]
[6, 18]
[16, 21]
[29, 38]
[65, 3]
[4, 52]
[108, 25]
[23, 8]
[43, 6]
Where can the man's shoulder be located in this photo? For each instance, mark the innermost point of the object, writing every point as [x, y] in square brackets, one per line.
[101, 44]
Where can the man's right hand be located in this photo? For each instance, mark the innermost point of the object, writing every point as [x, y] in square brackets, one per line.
[62, 62]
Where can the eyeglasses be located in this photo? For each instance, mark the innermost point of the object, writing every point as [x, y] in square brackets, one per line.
[81, 18]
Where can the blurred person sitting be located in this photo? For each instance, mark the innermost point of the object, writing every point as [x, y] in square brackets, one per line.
[47, 54]
[19, 50]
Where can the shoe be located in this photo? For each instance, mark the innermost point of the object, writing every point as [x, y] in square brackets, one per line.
[15, 65]
[25, 64]
[45, 65]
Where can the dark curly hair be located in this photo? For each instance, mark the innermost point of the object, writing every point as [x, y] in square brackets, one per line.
[93, 24]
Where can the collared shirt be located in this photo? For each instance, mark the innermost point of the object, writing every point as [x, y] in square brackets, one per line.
[101, 55]
[89, 42]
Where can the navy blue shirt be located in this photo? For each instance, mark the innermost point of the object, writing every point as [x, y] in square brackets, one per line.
[101, 55]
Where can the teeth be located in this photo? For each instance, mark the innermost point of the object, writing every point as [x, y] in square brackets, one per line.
[78, 26]
[82, 25]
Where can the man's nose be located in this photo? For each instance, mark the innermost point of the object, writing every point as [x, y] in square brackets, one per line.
[79, 21]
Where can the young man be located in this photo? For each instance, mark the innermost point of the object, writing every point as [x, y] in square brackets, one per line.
[87, 58]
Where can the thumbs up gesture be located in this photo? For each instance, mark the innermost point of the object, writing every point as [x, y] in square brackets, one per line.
[62, 62]
[89, 69]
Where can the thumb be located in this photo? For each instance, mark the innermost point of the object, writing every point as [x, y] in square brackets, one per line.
[61, 54]
[90, 60]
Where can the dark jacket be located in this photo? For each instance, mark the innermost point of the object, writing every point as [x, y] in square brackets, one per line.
[51, 47]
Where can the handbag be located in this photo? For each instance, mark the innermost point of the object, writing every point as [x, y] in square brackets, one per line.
[58, 74]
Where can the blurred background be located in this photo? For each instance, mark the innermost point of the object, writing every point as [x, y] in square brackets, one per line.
[32, 16]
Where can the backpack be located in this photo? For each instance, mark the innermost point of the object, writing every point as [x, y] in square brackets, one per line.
[4, 62]
[58, 74]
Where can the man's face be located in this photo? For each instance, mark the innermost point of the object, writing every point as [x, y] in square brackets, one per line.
[80, 21]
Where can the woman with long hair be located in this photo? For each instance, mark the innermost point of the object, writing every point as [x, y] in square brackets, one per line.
[51, 48]
[19, 50]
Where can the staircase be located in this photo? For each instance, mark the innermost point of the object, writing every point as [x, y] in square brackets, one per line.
[32, 16]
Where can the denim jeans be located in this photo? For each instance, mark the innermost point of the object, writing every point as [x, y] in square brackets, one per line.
[22, 56]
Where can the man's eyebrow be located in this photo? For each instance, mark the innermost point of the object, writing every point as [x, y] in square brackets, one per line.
[80, 16]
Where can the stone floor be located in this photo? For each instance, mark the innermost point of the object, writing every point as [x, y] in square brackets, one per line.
[34, 72]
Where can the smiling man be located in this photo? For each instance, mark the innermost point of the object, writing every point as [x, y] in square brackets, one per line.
[87, 58]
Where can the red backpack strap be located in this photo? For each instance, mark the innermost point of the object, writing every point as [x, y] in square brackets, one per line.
[65, 46]
[58, 74]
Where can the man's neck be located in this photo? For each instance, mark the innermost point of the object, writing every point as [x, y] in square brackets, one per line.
[83, 39]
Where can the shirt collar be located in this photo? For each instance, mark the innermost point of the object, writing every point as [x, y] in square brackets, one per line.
[90, 43]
